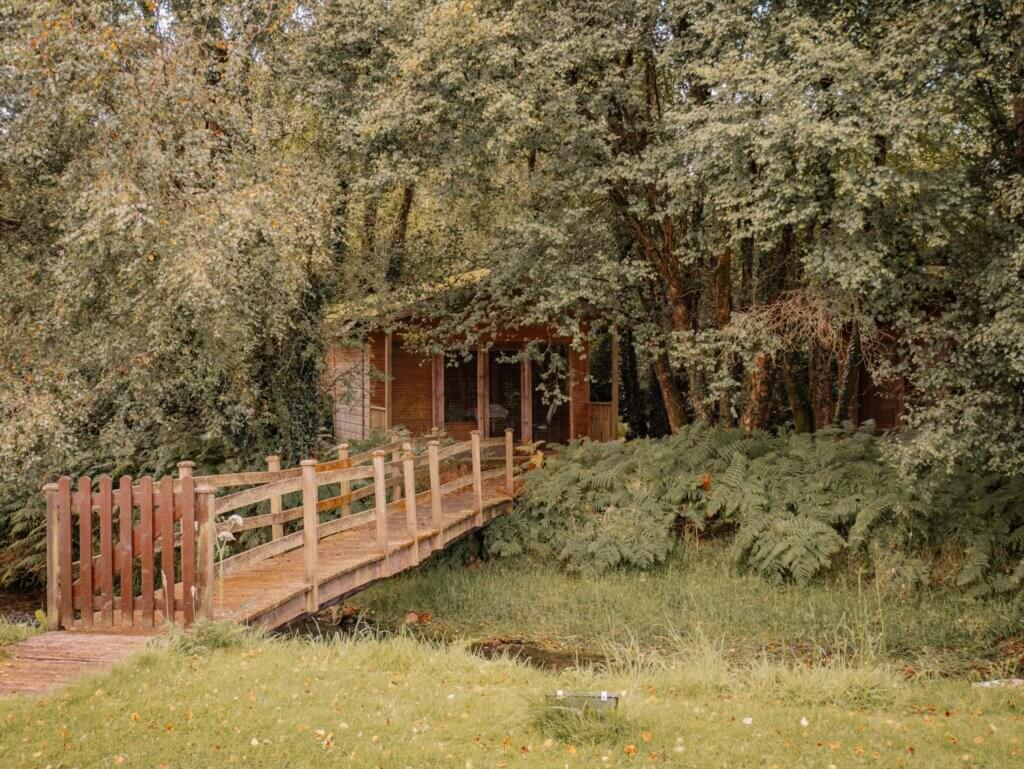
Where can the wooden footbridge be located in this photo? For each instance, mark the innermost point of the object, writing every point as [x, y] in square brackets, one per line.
[135, 557]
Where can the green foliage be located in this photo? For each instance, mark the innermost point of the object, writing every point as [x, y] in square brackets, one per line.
[585, 725]
[796, 503]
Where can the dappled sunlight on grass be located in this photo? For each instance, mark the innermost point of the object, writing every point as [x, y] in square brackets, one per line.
[398, 702]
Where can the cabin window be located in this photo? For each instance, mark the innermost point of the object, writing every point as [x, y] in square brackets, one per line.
[550, 376]
[460, 392]
[505, 381]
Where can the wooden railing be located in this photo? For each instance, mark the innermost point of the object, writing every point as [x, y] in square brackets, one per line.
[164, 561]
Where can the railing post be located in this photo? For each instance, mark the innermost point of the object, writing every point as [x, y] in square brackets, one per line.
[207, 547]
[52, 562]
[396, 456]
[276, 505]
[186, 469]
[409, 471]
[478, 486]
[433, 450]
[310, 533]
[510, 478]
[346, 485]
[381, 501]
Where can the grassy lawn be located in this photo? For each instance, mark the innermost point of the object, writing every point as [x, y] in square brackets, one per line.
[398, 702]
[697, 598]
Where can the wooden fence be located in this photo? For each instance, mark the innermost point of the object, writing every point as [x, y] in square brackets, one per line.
[162, 566]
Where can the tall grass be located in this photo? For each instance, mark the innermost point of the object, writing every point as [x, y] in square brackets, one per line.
[698, 595]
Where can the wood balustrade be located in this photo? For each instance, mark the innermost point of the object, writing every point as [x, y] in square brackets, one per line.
[145, 553]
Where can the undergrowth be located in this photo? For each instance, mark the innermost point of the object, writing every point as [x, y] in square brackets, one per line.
[797, 504]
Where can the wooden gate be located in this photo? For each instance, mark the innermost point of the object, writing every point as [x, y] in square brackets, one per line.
[122, 557]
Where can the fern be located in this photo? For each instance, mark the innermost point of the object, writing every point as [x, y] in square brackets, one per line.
[796, 504]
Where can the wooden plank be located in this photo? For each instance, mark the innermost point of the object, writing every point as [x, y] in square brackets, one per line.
[437, 391]
[396, 474]
[614, 429]
[345, 496]
[106, 562]
[410, 503]
[207, 535]
[478, 494]
[388, 376]
[454, 450]
[436, 514]
[311, 538]
[124, 504]
[186, 503]
[146, 550]
[85, 547]
[381, 501]
[509, 460]
[165, 519]
[276, 501]
[52, 558]
[526, 396]
[482, 394]
[232, 502]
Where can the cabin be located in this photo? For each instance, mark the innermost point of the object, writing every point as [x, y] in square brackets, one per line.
[383, 384]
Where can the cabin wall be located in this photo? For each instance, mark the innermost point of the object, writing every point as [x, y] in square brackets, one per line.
[348, 382]
[411, 390]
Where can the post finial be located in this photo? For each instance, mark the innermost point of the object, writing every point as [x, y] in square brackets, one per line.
[308, 463]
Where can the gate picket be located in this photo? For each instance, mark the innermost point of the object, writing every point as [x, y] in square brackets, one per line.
[165, 516]
[106, 563]
[186, 503]
[124, 503]
[146, 549]
[85, 547]
[67, 606]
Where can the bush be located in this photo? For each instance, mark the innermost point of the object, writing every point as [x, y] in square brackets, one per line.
[796, 503]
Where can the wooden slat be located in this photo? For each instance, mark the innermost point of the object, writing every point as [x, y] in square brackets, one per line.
[381, 501]
[482, 390]
[410, 504]
[231, 502]
[454, 450]
[165, 518]
[478, 494]
[276, 502]
[85, 548]
[206, 547]
[526, 395]
[311, 538]
[106, 562]
[146, 550]
[361, 473]
[67, 606]
[124, 504]
[187, 505]
[52, 558]
[436, 514]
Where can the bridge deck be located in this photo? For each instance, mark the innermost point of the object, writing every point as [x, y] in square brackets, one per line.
[273, 591]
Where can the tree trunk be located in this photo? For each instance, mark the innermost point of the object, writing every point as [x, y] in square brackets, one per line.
[802, 421]
[670, 394]
[823, 402]
[723, 314]
[849, 365]
[759, 393]
[396, 257]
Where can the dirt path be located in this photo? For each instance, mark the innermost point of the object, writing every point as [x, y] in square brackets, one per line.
[49, 660]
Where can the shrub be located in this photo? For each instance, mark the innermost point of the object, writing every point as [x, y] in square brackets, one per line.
[795, 502]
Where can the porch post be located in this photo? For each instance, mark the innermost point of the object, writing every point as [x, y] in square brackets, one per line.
[526, 394]
[437, 371]
[482, 394]
[614, 435]
[389, 366]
